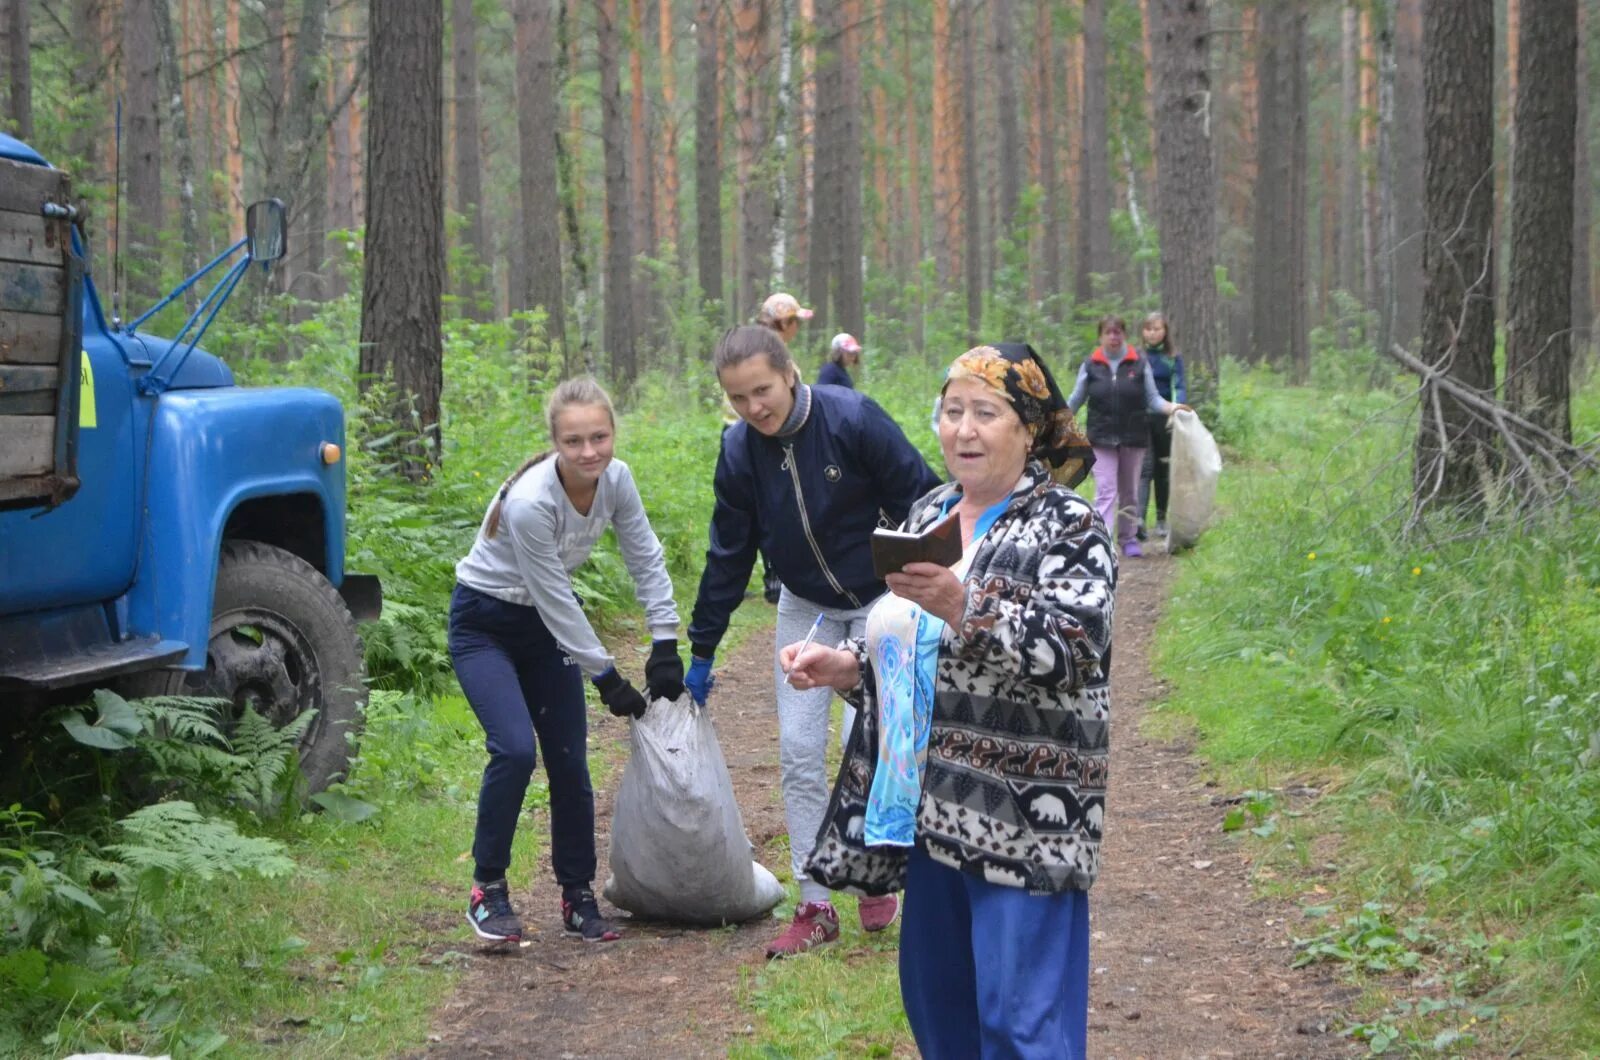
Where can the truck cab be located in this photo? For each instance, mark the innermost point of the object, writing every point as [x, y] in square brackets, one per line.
[162, 529]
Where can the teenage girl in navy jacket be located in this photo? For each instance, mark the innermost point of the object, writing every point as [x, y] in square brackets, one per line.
[1166, 366]
[805, 477]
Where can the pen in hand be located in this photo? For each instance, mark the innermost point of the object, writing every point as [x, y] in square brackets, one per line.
[803, 646]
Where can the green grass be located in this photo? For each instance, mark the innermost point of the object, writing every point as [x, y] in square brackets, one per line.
[840, 1001]
[1439, 686]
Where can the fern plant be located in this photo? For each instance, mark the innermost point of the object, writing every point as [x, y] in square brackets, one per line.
[176, 839]
[268, 760]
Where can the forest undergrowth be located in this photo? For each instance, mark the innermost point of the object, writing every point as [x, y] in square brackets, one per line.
[1437, 690]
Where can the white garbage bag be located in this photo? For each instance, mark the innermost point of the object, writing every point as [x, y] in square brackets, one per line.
[678, 846]
[1196, 463]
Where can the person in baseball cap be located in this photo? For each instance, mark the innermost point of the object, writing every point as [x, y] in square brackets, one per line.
[844, 352]
[783, 313]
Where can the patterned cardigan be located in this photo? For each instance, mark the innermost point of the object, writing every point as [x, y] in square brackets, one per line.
[1015, 782]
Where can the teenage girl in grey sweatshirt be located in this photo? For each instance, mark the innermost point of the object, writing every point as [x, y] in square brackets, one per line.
[522, 646]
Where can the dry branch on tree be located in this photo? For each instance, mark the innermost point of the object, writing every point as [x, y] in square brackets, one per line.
[1537, 466]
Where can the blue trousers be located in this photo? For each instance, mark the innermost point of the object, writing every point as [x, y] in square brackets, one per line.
[521, 685]
[992, 971]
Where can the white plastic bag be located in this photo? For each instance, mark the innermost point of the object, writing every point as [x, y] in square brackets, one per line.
[1196, 463]
[678, 846]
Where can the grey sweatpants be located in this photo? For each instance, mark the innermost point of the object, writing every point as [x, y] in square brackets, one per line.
[803, 729]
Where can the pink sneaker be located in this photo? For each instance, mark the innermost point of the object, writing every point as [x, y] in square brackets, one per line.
[814, 924]
[1131, 548]
[878, 913]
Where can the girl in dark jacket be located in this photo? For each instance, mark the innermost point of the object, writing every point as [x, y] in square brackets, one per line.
[1120, 390]
[1166, 365]
[805, 477]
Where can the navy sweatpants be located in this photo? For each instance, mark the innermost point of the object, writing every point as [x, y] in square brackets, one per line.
[521, 685]
[992, 971]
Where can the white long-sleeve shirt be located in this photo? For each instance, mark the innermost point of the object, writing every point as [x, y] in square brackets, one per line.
[543, 538]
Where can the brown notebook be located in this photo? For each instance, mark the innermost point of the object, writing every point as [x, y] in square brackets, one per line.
[939, 543]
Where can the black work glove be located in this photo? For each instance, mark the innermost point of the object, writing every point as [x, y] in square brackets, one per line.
[620, 697]
[663, 674]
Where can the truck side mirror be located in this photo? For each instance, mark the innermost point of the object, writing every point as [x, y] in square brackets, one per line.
[267, 229]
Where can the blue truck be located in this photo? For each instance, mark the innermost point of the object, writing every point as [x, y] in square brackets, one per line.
[162, 529]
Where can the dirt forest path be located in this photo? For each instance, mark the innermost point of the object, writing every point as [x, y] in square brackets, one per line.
[1186, 962]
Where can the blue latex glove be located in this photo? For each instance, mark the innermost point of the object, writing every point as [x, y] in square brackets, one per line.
[699, 680]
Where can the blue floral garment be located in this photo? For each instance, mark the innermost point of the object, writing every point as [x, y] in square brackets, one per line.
[903, 642]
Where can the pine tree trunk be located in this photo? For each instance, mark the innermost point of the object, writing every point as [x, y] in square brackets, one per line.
[881, 142]
[780, 143]
[913, 125]
[1280, 330]
[306, 176]
[1048, 278]
[619, 325]
[1410, 221]
[641, 164]
[1186, 193]
[1094, 176]
[1383, 262]
[1582, 213]
[538, 115]
[142, 214]
[571, 191]
[1453, 451]
[827, 218]
[270, 123]
[967, 23]
[805, 162]
[342, 186]
[667, 205]
[1349, 154]
[1071, 157]
[178, 121]
[851, 300]
[1296, 222]
[18, 38]
[948, 143]
[1005, 59]
[469, 287]
[1366, 142]
[88, 51]
[402, 298]
[185, 49]
[707, 160]
[1238, 180]
[1539, 304]
[233, 123]
[1269, 333]
[755, 196]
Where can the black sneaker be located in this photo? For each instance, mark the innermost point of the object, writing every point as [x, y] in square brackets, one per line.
[490, 914]
[580, 915]
[771, 587]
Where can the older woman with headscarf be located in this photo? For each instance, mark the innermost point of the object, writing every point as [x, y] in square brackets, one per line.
[978, 777]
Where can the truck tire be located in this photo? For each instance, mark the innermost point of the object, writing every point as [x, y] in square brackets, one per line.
[282, 642]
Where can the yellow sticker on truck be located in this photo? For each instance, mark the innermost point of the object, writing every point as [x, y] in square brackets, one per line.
[86, 410]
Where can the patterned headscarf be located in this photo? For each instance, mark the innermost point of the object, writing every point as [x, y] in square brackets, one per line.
[1014, 371]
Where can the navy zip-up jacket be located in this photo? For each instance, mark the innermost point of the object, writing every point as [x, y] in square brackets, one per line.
[810, 502]
[833, 374]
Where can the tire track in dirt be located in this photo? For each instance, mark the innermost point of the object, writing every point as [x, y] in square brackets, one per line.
[1187, 962]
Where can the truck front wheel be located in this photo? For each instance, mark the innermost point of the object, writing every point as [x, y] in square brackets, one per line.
[282, 643]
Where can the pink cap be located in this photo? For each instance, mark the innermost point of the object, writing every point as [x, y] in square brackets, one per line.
[781, 307]
[846, 342]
